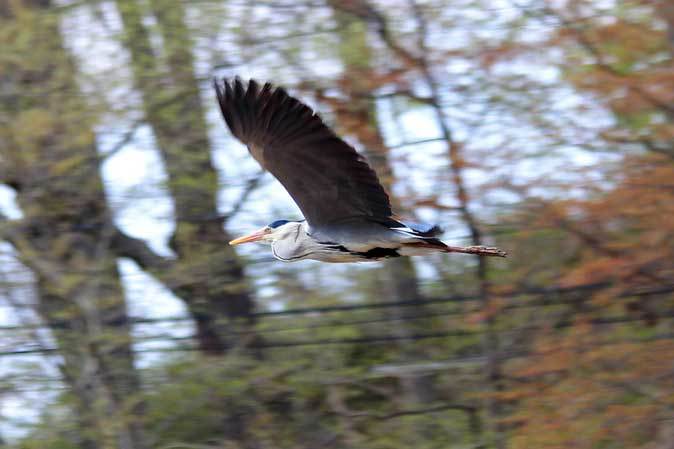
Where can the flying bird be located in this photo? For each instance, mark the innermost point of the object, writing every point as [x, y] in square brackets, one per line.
[348, 216]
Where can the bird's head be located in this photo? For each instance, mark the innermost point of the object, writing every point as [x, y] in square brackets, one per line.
[276, 230]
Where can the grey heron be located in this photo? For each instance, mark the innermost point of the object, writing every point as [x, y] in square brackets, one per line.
[348, 216]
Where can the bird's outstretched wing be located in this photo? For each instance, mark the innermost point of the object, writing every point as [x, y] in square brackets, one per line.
[326, 177]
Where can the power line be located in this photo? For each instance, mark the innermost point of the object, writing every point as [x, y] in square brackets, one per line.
[374, 339]
[473, 298]
[543, 302]
[466, 360]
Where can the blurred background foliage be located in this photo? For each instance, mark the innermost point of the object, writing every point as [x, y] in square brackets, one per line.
[544, 127]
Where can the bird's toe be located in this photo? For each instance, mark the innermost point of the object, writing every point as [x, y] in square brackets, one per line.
[489, 251]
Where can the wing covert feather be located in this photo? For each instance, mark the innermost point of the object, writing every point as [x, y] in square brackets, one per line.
[325, 176]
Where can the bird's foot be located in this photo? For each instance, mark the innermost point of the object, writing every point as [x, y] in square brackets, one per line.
[487, 251]
[479, 250]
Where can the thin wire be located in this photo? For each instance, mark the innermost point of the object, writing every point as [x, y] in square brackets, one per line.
[476, 356]
[544, 302]
[367, 340]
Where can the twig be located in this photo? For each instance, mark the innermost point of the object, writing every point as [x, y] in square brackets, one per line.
[125, 139]
[250, 187]
[600, 62]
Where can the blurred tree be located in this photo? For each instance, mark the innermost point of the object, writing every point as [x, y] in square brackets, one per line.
[49, 158]
[617, 238]
[569, 340]
[415, 58]
[635, 81]
[206, 274]
[356, 115]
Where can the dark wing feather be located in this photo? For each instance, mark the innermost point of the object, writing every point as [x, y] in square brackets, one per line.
[424, 229]
[326, 177]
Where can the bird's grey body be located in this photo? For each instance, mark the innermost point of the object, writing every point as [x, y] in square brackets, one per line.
[348, 213]
[358, 241]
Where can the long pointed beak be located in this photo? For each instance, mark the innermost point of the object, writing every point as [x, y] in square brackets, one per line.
[254, 237]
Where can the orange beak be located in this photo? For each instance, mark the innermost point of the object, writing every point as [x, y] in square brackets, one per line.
[254, 237]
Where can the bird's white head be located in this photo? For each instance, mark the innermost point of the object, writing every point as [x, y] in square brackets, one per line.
[277, 230]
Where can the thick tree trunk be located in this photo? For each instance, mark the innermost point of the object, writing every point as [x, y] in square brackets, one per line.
[209, 276]
[358, 117]
[354, 19]
[48, 146]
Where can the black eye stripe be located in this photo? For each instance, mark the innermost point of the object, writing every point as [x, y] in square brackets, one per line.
[278, 223]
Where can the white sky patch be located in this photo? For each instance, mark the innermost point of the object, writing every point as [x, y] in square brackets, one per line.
[135, 185]
[18, 410]
[147, 298]
[8, 206]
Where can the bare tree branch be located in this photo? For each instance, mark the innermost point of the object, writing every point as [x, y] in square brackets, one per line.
[13, 232]
[601, 63]
[666, 9]
[339, 408]
[645, 142]
[139, 251]
[125, 139]
[369, 14]
[251, 185]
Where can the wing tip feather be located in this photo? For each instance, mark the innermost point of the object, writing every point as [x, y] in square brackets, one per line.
[269, 116]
